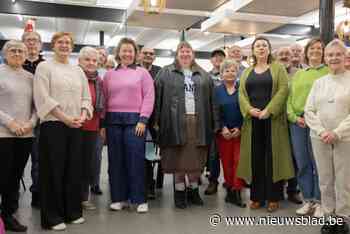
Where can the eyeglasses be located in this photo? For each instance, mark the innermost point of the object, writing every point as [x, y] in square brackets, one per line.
[148, 53]
[33, 40]
[16, 51]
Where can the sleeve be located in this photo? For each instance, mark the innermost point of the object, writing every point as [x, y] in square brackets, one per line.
[277, 104]
[215, 107]
[147, 97]
[86, 96]
[292, 116]
[5, 118]
[244, 103]
[311, 116]
[44, 103]
[159, 87]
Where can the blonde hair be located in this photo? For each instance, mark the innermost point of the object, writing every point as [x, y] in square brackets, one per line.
[124, 41]
[58, 35]
[184, 44]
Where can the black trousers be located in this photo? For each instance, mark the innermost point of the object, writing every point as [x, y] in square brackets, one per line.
[60, 173]
[14, 154]
[89, 141]
[262, 187]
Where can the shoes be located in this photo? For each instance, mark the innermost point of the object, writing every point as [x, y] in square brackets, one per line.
[78, 221]
[272, 206]
[142, 208]
[59, 227]
[295, 198]
[342, 228]
[318, 211]
[12, 224]
[116, 206]
[307, 208]
[255, 205]
[193, 197]
[238, 197]
[230, 197]
[212, 188]
[180, 199]
[87, 205]
[35, 201]
[96, 190]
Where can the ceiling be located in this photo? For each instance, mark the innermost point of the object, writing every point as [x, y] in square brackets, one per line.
[210, 24]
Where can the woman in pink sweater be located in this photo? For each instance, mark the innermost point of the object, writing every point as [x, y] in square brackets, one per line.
[129, 95]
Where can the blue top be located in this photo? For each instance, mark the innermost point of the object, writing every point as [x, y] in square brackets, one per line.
[230, 114]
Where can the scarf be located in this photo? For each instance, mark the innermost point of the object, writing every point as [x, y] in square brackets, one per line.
[100, 101]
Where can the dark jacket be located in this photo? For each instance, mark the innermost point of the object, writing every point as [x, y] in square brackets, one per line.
[170, 106]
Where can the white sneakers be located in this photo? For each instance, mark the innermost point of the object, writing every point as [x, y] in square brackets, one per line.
[117, 206]
[59, 227]
[78, 221]
[142, 208]
[311, 208]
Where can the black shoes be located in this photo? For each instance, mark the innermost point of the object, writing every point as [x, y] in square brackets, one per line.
[193, 197]
[212, 188]
[96, 190]
[12, 224]
[234, 197]
[341, 228]
[180, 199]
[295, 198]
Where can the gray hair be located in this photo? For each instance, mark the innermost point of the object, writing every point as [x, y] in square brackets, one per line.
[13, 44]
[87, 51]
[26, 34]
[336, 43]
[228, 63]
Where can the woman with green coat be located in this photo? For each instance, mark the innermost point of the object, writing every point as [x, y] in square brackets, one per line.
[265, 160]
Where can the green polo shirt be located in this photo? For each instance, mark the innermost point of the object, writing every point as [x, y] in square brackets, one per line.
[300, 88]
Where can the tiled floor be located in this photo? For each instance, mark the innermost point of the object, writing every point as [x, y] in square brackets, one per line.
[162, 218]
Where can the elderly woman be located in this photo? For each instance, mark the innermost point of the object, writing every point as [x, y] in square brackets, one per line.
[229, 138]
[63, 102]
[88, 58]
[265, 159]
[327, 113]
[17, 120]
[129, 93]
[300, 87]
[184, 114]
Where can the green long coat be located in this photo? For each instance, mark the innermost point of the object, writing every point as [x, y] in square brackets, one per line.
[282, 163]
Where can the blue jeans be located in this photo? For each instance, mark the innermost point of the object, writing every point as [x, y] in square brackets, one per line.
[307, 171]
[126, 164]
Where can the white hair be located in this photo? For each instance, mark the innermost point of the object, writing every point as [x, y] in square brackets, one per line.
[228, 63]
[88, 51]
[336, 43]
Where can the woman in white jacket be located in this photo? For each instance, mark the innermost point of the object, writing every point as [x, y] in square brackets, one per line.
[327, 113]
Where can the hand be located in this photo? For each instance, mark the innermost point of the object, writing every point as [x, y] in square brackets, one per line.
[15, 127]
[264, 114]
[235, 132]
[255, 112]
[83, 117]
[73, 122]
[328, 137]
[27, 127]
[301, 122]
[103, 134]
[140, 129]
[226, 133]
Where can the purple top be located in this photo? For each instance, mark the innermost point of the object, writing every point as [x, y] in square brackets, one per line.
[129, 89]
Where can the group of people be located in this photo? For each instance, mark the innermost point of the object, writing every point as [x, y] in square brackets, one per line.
[280, 121]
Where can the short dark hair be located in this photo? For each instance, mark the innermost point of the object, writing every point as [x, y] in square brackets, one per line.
[217, 52]
[123, 41]
[269, 57]
[311, 43]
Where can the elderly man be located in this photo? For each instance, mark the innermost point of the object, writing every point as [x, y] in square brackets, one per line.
[284, 56]
[235, 52]
[146, 59]
[297, 60]
[32, 40]
[213, 161]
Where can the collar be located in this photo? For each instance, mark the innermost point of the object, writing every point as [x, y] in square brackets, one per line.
[195, 68]
[132, 66]
[40, 59]
[315, 68]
